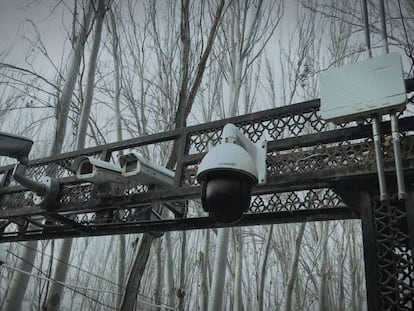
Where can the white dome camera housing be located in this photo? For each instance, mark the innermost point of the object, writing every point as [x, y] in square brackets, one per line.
[227, 174]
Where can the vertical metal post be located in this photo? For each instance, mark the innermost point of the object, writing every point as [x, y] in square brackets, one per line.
[376, 119]
[370, 251]
[397, 155]
[364, 8]
[409, 207]
[383, 26]
[378, 156]
[181, 153]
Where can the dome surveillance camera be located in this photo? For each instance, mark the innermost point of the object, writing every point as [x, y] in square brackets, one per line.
[227, 174]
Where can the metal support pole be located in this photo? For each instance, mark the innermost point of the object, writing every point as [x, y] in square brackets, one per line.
[383, 26]
[370, 250]
[378, 156]
[397, 155]
[364, 8]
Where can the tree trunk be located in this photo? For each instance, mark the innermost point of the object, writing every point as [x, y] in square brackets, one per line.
[294, 268]
[61, 270]
[181, 290]
[169, 271]
[204, 272]
[63, 105]
[186, 94]
[117, 92]
[121, 268]
[263, 271]
[341, 262]
[353, 273]
[138, 268]
[87, 104]
[238, 278]
[78, 272]
[18, 287]
[19, 281]
[324, 270]
[236, 83]
[158, 279]
[219, 270]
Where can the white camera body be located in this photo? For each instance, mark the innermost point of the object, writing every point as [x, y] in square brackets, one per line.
[97, 171]
[135, 167]
[227, 174]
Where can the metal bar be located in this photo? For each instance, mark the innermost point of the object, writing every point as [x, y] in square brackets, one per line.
[383, 26]
[6, 176]
[323, 214]
[298, 108]
[313, 179]
[337, 135]
[397, 155]
[19, 175]
[376, 119]
[379, 157]
[409, 85]
[71, 223]
[365, 18]
[409, 208]
[370, 251]
[182, 152]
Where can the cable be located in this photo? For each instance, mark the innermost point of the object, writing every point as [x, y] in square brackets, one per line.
[26, 261]
[71, 265]
[76, 287]
[76, 267]
[71, 287]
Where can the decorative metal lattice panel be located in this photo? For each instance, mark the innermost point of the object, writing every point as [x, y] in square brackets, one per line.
[315, 170]
[395, 262]
[305, 154]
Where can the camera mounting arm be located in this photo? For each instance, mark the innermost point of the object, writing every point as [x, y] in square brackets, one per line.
[45, 191]
[231, 134]
[19, 147]
[19, 175]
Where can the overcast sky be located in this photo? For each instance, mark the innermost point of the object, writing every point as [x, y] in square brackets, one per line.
[14, 24]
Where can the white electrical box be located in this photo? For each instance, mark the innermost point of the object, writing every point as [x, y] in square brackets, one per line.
[357, 91]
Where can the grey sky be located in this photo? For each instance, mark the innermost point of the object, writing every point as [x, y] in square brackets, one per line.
[14, 24]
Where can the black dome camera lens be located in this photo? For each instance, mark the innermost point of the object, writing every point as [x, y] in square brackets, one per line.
[226, 195]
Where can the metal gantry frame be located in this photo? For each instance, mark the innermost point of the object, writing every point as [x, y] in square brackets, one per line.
[316, 171]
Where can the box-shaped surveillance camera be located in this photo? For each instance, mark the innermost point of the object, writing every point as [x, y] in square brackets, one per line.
[136, 167]
[360, 90]
[97, 171]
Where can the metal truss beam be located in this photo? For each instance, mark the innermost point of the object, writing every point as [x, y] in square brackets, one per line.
[308, 160]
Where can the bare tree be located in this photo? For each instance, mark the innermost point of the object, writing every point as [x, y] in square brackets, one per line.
[87, 103]
[187, 90]
[244, 34]
[63, 105]
[61, 269]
